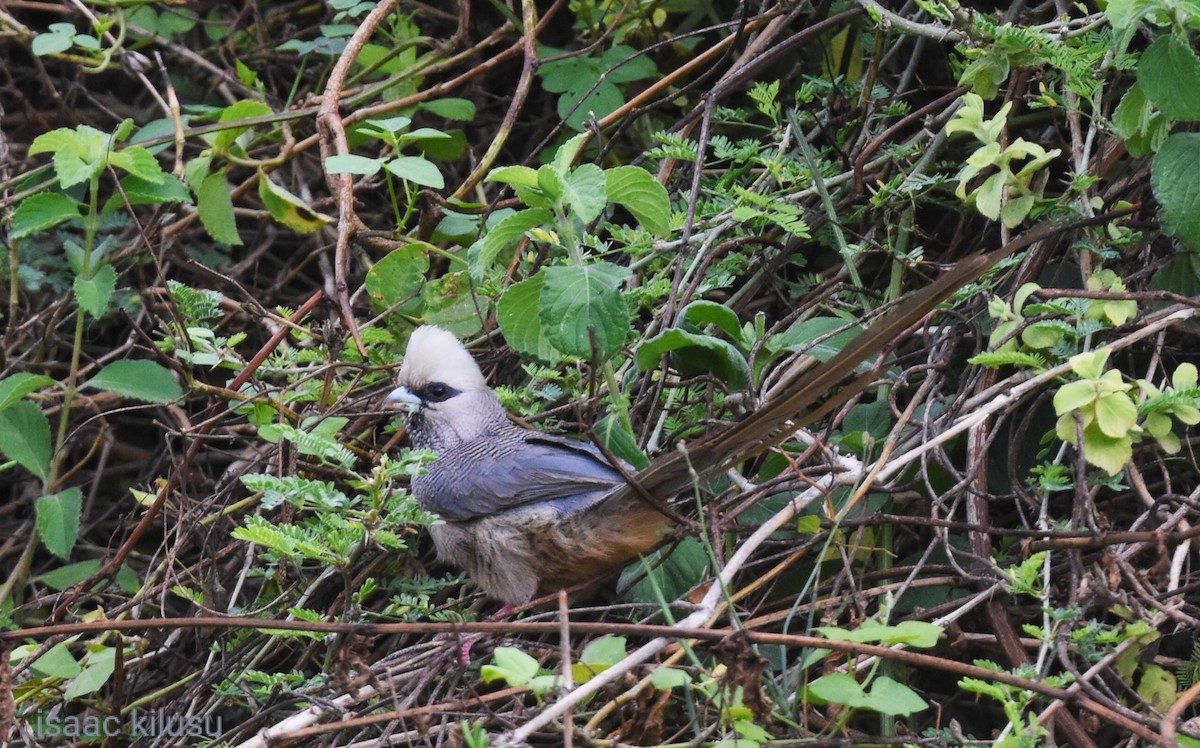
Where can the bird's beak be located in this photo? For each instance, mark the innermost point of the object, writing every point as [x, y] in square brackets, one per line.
[403, 399]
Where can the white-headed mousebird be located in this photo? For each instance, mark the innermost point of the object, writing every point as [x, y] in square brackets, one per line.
[526, 513]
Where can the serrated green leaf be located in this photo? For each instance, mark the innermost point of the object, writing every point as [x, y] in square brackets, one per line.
[139, 379]
[93, 294]
[520, 322]
[1073, 396]
[640, 193]
[1169, 74]
[1116, 414]
[1110, 454]
[584, 192]
[17, 386]
[483, 253]
[25, 437]
[398, 276]
[41, 212]
[582, 305]
[58, 520]
[138, 191]
[139, 162]
[215, 207]
[1173, 179]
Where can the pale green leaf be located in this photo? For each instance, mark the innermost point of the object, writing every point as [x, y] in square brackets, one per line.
[139, 379]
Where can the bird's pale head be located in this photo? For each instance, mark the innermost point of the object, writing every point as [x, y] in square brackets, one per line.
[444, 391]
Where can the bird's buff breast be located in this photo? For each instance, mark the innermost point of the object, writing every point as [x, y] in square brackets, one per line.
[536, 549]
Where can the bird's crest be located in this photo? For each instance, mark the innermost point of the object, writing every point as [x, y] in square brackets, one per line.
[435, 355]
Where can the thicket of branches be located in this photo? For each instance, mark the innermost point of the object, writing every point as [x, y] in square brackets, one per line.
[221, 221]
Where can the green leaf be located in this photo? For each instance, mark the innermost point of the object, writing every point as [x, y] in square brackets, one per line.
[58, 662]
[40, 212]
[892, 697]
[25, 437]
[584, 191]
[1169, 74]
[693, 353]
[1110, 454]
[620, 440]
[514, 175]
[1073, 396]
[58, 520]
[417, 170]
[237, 112]
[69, 575]
[701, 313]
[666, 678]
[800, 337]
[1173, 179]
[582, 304]
[510, 664]
[17, 386]
[459, 110]
[1116, 414]
[288, 209]
[398, 276]
[138, 379]
[349, 163]
[94, 293]
[640, 193]
[216, 209]
[138, 162]
[97, 669]
[520, 322]
[449, 303]
[483, 253]
[836, 688]
[685, 566]
[607, 651]
[139, 191]
[57, 39]
[624, 65]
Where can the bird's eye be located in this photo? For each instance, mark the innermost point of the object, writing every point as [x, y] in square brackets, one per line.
[438, 392]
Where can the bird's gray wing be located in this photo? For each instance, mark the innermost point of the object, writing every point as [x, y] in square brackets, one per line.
[492, 476]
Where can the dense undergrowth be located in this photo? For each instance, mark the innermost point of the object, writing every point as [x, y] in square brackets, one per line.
[221, 221]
